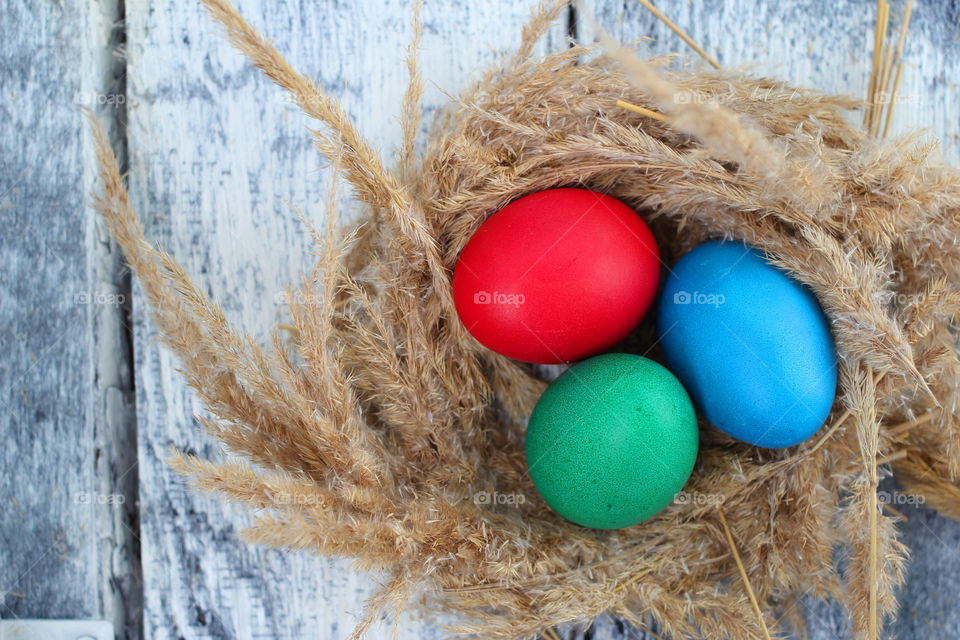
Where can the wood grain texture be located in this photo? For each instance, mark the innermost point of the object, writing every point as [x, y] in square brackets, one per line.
[67, 486]
[216, 155]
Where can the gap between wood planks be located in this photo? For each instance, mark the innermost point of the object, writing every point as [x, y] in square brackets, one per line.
[114, 419]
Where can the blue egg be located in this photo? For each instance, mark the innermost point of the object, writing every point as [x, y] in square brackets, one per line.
[750, 344]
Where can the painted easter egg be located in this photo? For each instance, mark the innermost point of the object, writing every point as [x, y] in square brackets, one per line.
[750, 344]
[557, 276]
[612, 441]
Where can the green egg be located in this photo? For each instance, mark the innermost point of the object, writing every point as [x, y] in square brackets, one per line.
[612, 441]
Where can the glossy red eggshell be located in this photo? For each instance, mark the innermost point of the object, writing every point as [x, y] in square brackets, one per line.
[557, 276]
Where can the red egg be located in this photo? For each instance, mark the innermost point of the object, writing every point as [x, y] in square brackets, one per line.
[557, 276]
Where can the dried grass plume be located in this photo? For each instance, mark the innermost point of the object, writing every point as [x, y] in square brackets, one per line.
[369, 435]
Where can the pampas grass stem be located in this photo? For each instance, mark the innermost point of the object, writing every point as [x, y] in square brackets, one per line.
[898, 63]
[743, 573]
[878, 40]
[680, 32]
[881, 93]
[903, 428]
[895, 512]
[826, 436]
[551, 634]
[893, 99]
[642, 111]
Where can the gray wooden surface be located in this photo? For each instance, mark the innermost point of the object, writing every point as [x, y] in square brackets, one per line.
[218, 160]
[68, 515]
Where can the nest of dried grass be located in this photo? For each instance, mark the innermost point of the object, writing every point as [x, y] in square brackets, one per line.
[369, 434]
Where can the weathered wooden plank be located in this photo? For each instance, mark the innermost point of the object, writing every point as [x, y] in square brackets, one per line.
[829, 46]
[67, 476]
[216, 153]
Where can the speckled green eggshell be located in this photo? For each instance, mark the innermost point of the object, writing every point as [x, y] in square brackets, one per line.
[612, 441]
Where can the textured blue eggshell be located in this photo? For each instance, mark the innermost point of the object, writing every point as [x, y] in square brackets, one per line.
[750, 344]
